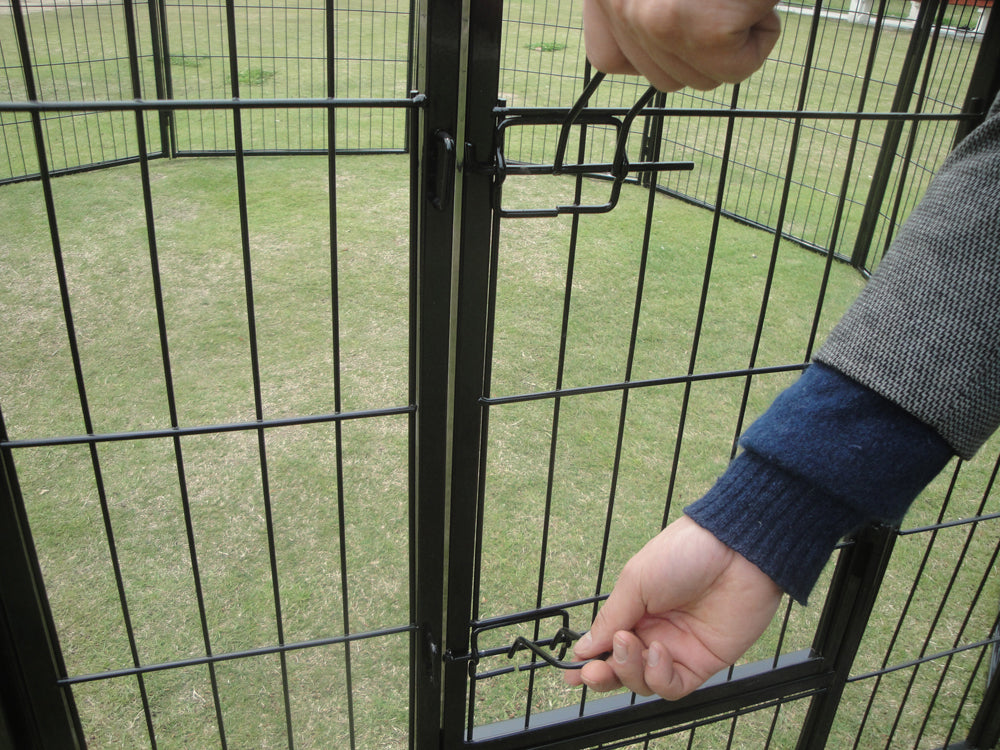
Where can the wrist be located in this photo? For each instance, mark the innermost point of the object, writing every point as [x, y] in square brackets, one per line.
[781, 524]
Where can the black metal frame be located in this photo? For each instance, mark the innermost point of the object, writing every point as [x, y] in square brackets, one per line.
[822, 674]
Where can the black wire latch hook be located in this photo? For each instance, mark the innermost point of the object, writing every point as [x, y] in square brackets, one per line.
[563, 638]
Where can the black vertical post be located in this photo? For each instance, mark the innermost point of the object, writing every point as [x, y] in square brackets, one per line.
[886, 164]
[984, 85]
[439, 67]
[161, 67]
[476, 149]
[853, 590]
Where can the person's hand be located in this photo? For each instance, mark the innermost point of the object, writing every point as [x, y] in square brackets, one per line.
[685, 607]
[678, 43]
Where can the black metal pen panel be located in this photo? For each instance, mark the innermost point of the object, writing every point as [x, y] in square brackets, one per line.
[186, 51]
[642, 315]
[195, 360]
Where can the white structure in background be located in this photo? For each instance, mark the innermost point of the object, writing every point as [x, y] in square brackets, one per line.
[862, 10]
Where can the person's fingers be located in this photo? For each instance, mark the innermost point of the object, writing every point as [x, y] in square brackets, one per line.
[749, 49]
[597, 675]
[628, 660]
[602, 47]
[678, 44]
[611, 53]
[666, 677]
[672, 73]
[621, 611]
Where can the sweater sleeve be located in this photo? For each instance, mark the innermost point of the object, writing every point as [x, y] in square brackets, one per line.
[828, 456]
[909, 376]
[925, 332]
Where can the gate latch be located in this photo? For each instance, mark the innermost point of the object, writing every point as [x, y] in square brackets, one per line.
[441, 169]
[579, 115]
[548, 651]
[561, 640]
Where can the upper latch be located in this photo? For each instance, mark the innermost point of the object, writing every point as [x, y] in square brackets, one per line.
[618, 169]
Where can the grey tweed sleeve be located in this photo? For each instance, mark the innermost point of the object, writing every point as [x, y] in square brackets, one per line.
[925, 332]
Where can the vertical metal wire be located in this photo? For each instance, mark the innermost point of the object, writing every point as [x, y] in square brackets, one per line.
[904, 186]
[331, 168]
[887, 153]
[255, 357]
[73, 342]
[702, 303]
[556, 409]
[652, 193]
[793, 146]
[147, 197]
[845, 183]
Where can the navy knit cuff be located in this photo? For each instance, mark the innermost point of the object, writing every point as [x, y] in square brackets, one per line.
[828, 456]
[850, 442]
[783, 525]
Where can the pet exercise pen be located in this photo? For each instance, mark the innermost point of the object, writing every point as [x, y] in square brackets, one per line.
[327, 437]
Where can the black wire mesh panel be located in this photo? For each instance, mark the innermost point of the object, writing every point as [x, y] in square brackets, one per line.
[828, 59]
[631, 343]
[72, 52]
[281, 53]
[209, 414]
[81, 51]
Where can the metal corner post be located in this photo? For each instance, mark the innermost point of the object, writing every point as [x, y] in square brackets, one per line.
[984, 84]
[439, 40]
[905, 88]
[476, 148]
[853, 591]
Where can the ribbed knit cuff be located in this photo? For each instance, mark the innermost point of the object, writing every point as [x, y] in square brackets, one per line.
[783, 525]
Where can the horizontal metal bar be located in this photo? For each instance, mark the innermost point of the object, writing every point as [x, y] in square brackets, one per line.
[675, 728]
[992, 641]
[797, 675]
[949, 524]
[641, 166]
[231, 655]
[170, 432]
[516, 618]
[159, 105]
[544, 115]
[159, 154]
[291, 152]
[625, 386]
